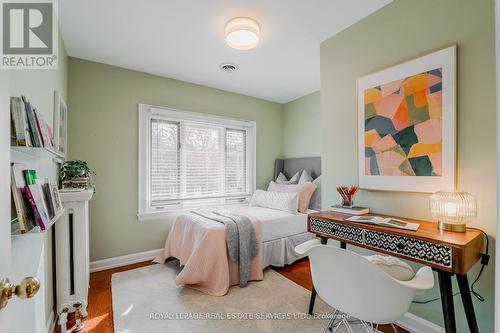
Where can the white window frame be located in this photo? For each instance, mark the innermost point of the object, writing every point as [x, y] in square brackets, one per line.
[146, 112]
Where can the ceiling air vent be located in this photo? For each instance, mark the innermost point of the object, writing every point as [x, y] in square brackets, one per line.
[228, 67]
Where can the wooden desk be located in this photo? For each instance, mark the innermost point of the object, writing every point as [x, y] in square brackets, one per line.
[448, 253]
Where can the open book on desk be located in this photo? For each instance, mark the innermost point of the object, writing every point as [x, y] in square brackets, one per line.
[386, 222]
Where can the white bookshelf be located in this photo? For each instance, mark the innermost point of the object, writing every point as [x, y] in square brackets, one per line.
[42, 160]
[37, 230]
[22, 154]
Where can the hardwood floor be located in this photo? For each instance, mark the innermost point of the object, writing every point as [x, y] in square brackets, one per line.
[100, 308]
[100, 311]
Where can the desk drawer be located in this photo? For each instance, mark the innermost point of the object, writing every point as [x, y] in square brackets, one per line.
[409, 247]
[337, 230]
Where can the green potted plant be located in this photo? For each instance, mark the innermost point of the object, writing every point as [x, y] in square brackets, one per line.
[77, 174]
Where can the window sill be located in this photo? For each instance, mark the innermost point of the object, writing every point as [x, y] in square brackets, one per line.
[154, 216]
[173, 213]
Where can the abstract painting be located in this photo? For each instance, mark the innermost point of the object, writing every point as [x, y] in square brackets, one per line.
[406, 141]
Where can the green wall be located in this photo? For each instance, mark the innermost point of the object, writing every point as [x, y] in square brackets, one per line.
[38, 86]
[103, 131]
[301, 127]
[398, 32]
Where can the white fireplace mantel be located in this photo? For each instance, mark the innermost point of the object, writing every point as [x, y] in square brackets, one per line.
[72, 251]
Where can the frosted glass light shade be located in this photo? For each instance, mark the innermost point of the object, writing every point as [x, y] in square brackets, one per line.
[453, 209]
[242, 33]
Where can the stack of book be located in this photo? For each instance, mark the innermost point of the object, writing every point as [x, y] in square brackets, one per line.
[28, 125]
[36, 201]
[354, 210]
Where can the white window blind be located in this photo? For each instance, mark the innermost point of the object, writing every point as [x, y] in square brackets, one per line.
[190, 159]
[164, 160]
[236, 170]
[202, 150]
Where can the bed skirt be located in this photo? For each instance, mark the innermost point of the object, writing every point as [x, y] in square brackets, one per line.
[280, 252]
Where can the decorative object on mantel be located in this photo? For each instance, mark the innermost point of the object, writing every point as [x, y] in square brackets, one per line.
[347, 194]
[77, 174]
[453, 209]
[407, 125]
[60, 123]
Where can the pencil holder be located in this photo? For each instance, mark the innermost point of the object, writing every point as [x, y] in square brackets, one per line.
[347, 194]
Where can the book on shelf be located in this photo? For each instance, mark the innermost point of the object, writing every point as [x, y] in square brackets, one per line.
[35, 134]
[23, 209]
[386, 222]
[56, 198]
[44, 132]
[354, 210]
[29, 127]
[35, 199]
[44, 201]
[20, 122]
[49, 203]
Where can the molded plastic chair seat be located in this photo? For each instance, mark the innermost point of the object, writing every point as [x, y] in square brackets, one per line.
[352, 284]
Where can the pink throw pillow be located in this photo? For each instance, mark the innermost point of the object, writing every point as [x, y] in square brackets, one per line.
[305, 191]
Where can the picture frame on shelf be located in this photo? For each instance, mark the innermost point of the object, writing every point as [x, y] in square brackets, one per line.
[407, 125]
[56, 199]
[60, 124]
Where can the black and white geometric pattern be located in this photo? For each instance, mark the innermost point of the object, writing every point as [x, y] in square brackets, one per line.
[413, 248]
[337, 230]
[410, 247]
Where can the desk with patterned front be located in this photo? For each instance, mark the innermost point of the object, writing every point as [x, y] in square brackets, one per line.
[448, 253]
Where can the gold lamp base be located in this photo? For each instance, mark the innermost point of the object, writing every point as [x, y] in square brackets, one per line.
[451, 226]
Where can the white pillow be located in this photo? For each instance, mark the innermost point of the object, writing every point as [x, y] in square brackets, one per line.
[281, 179]
[288, 202]
[393, 266]
[305, 177]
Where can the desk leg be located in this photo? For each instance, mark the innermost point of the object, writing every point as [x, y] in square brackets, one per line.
[447, 301]
[313, 292]
[311, 302]
[463, 283]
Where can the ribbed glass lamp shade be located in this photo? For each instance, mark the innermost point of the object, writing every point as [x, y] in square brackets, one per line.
[453, 209]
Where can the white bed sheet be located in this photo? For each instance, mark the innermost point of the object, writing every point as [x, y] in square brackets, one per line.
[281, 233]
[276, 224]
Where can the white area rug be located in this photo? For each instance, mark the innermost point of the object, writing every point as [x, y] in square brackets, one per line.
[147, 300]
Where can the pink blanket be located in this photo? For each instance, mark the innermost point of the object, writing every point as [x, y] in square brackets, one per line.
[200, 245]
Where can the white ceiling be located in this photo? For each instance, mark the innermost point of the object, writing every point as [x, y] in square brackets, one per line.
[184, 39]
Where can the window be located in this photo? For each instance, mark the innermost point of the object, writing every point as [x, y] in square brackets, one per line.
[188, 160]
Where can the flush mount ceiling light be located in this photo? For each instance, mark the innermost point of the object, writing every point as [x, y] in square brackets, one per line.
[242, 33]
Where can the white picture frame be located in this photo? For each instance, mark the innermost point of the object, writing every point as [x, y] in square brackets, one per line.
[445, 60]
[60, 124]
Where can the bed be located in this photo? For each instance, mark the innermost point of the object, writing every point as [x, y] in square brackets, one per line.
[281, 235]
[199, 244]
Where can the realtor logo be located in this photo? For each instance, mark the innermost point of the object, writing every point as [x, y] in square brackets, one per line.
[29, 35]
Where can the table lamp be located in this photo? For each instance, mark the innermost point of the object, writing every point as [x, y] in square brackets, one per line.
[453, 210]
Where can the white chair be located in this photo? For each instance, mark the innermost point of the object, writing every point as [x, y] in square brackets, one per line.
[356, 287]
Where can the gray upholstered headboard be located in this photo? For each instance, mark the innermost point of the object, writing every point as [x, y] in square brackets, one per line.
[290, 166]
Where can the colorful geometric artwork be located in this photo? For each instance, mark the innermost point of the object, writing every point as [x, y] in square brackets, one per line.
[403, 126]
[407, 125]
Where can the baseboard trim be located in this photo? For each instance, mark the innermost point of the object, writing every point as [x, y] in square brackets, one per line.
[101, 265]
[51, 322]
[415, 324]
